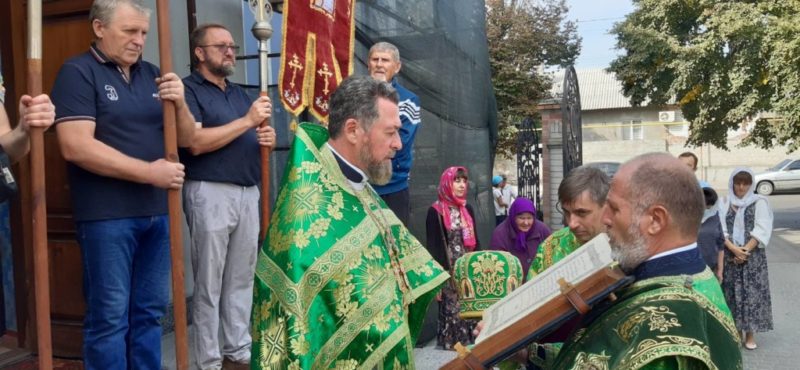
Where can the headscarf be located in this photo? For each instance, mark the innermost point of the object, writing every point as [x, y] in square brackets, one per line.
[750, 197]
[447, 199]
[522, 205]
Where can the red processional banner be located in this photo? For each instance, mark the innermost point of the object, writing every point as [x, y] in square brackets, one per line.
[317, 53]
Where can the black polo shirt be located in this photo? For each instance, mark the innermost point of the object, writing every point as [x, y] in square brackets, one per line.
[238, 162]
[128, 117]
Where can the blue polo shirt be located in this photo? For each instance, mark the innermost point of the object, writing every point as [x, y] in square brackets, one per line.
[128, 118]
[238, 162]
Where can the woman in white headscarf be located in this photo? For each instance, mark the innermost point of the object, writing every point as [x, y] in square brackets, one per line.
[747, 227]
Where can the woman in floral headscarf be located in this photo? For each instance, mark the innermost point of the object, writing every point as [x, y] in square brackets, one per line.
[747, 225]
[521, 233]
[451, 233]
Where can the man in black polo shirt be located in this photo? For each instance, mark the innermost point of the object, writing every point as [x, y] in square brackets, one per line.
[110, 129]
[221, 199]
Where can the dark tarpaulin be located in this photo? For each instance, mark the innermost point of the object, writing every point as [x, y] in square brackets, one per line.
[445, 60]
[446, 63]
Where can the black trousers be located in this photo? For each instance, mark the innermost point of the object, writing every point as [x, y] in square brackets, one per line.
[398, 202]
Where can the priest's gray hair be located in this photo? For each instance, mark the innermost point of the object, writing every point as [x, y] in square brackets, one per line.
[581, 179]
[357, 98]
[659, 178]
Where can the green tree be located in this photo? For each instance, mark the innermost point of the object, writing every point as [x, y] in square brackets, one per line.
[723, 62]
[524, 35]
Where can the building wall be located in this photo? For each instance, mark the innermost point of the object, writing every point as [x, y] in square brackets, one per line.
[227, 13]
[552, 164]
[604, 141]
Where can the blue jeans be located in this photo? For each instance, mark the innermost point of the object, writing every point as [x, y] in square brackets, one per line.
[126, 266]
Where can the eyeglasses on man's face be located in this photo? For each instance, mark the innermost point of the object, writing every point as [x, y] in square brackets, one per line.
[223, 47]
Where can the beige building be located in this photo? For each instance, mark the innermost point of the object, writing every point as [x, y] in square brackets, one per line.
[615, 131]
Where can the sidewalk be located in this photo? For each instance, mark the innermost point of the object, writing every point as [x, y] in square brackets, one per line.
[777, 349]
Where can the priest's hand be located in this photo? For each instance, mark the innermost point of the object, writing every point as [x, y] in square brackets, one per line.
[478, 328]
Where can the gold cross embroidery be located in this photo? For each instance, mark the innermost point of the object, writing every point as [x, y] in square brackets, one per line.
[273, 345]
[295, 65]
[326, 74]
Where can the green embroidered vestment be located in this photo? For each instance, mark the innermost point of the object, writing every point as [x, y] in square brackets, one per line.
[553, 249]
[658, 323]
[340, 282]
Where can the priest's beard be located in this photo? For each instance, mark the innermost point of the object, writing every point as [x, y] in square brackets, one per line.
[632, 252]
[379, 172]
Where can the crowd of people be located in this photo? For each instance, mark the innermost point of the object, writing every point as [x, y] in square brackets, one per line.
[340, 281]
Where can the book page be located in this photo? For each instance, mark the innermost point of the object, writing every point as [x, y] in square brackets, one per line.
[574, 268]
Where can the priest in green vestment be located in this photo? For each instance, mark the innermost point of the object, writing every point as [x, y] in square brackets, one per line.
[674, 316]
[581, 196]
[340, 282]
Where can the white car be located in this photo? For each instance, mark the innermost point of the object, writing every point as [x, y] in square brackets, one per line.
[783, 176]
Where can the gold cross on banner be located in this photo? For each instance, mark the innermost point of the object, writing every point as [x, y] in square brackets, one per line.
[295, 66]
[326, 74]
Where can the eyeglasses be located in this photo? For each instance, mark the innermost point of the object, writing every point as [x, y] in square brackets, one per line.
[223, 48]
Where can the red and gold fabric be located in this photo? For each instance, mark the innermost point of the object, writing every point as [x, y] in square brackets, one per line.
[317, 53]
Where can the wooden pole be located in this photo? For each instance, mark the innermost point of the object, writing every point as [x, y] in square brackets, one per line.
[38, 202]
[265, 191]
[173, 195]
[262, 30]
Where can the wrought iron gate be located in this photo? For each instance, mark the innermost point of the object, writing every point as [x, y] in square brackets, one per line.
[571, 129]
[529, 152]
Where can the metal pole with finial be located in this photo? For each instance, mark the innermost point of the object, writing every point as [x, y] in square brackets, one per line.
[173, 195]
[262, 31]
[41, 267]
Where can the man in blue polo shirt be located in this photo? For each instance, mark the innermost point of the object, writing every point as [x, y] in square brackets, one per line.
[221, 199]
[384, 64]
[110, 129]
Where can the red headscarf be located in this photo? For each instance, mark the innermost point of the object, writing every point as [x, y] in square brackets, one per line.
[447, 199]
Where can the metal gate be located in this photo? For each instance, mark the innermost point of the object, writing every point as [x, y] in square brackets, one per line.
[571, 129]
[529, 153]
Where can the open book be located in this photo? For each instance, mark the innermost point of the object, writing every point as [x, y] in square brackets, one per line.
[574, 268]
[542, 304]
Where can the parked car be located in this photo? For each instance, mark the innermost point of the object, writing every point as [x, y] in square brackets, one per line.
[783, 176]
[609, 168]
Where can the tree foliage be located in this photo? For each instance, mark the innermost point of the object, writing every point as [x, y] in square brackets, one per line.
[523, 36]
[722, 62]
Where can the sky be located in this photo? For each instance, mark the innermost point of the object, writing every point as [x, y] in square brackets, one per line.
[595, 18]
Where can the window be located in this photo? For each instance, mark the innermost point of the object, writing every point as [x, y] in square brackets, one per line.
[678, 129]
[632, 130]
[794, 166]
